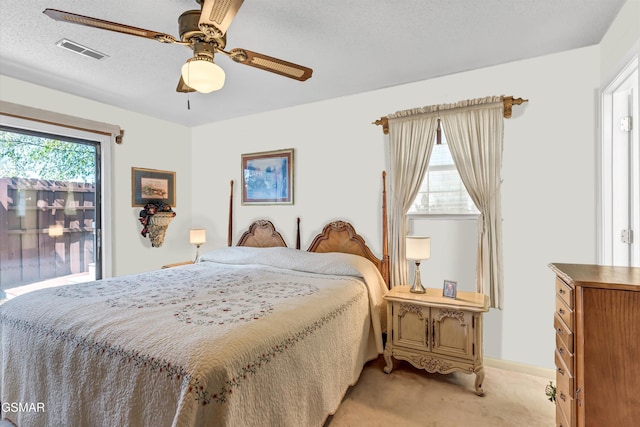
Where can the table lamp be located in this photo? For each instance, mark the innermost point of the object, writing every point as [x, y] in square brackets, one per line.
[417, 249]
[197, 236]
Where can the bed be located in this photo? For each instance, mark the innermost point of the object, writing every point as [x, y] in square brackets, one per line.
[252, 334]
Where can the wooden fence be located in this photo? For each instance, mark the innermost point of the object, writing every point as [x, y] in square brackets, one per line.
[46, 230]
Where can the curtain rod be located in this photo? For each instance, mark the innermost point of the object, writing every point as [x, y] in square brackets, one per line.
[508, 102]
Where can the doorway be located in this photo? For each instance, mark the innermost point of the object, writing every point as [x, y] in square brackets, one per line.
[619, 223]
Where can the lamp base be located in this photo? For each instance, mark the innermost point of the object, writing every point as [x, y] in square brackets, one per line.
[197, 254]
[417, 287]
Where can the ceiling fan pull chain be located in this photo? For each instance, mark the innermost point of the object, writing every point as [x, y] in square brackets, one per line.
[188, 96]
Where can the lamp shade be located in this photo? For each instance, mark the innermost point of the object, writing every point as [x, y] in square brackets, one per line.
[418, 247]
[197, 236]
[202, 74]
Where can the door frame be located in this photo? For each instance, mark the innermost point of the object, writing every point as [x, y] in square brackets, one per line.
[605, 234]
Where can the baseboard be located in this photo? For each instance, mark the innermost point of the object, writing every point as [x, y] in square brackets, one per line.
[520, 367]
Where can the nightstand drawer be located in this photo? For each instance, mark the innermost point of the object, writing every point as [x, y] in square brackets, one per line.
[565, 313]
[563, 332]
[565, 292]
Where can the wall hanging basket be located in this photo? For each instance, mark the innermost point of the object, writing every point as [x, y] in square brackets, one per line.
[158, 225]
[156, 217]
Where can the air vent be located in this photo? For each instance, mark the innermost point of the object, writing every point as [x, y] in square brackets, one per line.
[80, 50]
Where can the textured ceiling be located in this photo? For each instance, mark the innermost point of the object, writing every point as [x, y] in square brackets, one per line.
[352, 46]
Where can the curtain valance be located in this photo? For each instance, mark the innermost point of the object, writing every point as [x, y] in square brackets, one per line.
[49, 117]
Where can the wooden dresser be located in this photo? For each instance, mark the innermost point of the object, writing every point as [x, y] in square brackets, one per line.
[597, 356]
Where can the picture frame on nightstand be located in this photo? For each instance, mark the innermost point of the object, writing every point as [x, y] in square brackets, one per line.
[450, 289]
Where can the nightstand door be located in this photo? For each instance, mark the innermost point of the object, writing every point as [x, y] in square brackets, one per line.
[452, 333]
[410, 326]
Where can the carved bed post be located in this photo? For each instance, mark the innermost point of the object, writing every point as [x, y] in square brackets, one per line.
[230, 231]
[385, 232]
[298, 233]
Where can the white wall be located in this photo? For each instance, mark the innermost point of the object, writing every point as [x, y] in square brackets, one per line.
[548, 190]
[148, 143]
[621, 42]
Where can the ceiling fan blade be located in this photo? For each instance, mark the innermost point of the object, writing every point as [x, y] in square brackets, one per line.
[88, 21]
[183, 88]
[217, 15]
[268, 63]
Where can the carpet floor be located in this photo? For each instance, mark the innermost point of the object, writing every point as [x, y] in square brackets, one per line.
[410, 397]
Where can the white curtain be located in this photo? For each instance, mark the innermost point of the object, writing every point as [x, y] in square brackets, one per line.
[411, 137]
[475, 136]
[474, 130]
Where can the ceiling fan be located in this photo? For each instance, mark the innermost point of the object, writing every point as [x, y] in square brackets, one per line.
[204, 31]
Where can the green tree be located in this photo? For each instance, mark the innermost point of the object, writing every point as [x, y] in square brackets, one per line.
[28, 156]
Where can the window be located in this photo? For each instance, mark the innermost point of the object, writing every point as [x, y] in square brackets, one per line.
[442, 191]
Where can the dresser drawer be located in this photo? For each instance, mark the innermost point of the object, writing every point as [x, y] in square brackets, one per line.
[563, 332]
[565, 354]
[564, 378]
[561, 420]
[565, 292]
[564, 400]
[564, 311]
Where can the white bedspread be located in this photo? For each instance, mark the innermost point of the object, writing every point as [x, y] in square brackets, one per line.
[248, 336]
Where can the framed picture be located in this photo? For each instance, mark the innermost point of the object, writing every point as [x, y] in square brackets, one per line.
[268, 178]
[450, 289]
[151, 184]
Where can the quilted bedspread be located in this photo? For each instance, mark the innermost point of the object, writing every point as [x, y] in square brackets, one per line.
[247, 336]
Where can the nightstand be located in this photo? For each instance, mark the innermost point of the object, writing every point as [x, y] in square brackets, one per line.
[177, 264]
[436, 333]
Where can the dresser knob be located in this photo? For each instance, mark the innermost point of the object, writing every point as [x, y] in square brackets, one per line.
[563, 397]
[561, 291]
[559, 331]
[561, 350]
[561, 311]
[560, 371]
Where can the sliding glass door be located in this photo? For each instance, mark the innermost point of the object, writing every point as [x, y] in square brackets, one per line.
[49, 210]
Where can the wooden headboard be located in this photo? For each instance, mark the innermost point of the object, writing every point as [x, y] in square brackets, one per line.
[262, 234]
[340, 236]
[337, 236]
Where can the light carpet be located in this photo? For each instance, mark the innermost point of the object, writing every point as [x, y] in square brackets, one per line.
[411, 397]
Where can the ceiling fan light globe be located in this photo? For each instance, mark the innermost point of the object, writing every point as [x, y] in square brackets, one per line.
[203, 75]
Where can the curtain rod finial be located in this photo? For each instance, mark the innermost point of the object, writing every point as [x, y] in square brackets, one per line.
[510, 101]
[385, 124]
